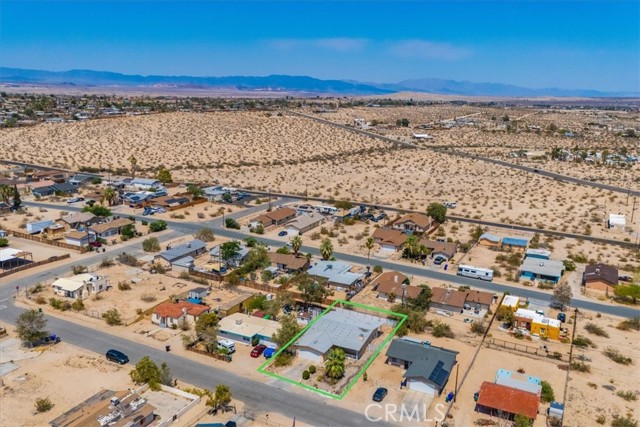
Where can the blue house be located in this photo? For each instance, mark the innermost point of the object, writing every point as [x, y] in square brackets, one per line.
[548, 270]
[514, 243]
[537, 253]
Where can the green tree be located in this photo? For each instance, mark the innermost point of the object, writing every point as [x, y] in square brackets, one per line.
[207, 330]
[289, 328]
[437, 211]
[6, 193]
[4, 242]
[98, 210]
[229, 250]
[283, 250]
[134, 165]
[110, 195]
[146, 372]
[226, 197]
[369, 244]
[128, 231]
[257, 258]
[17, 201]
[164, 175]
[250, 242]
[312, 289]
[151, 244]
[112, 317]
[522, 421]
[31, 326]
[334, 366]
[326, 248]
[296, 244]
[422, 301]
[221, 397]
[547, 394]
[562, 294]
[412, 246]
[630, 291]
[232, 223]
[194, 191]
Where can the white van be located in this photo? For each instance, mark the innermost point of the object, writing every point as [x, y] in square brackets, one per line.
[228, 344]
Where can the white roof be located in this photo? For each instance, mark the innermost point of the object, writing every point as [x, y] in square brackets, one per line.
[615, 219]
[8, 253]
[510, 301]
[66, 284]
[248, 326]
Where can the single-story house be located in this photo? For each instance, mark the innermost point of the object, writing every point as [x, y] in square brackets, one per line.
[349, 330]
[413, 223]
[108, 407]
[38, 226]
[276, 217]
[80, 286]
[81, 179]
[394, 283]
[79, 238]
[168, 201]
[448, 299]
[337, 273]
[234, 305]
[427, 367]
[536, 323]
[243, 328]
[503, 401]
[42, 188]
[192, 248]
[522, 382]
[489, 240]
[80, 219]
[549, 270]
[235, 261]
[64, 188]
[512, 302]
[479, 300]
[110, 228]
[55, 176]
[196, 295]
[440, 249]
[185, 264]
[288, 262]
[389, 239]
[600, 277]
[145, 183]
[170, 313]
[214, 193]
[537, 253]
[514, 243]
[617, 221]
[303, 223]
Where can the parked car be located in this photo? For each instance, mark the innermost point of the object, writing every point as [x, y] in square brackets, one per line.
[439, 260]
[380, 394]
[75, 200]
[625, 278]
[269, 352]
[95, 244]
[282, 233]
[562, 317]
[117, 356]
[258, 350]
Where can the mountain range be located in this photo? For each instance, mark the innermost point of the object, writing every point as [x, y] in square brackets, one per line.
[285, 83]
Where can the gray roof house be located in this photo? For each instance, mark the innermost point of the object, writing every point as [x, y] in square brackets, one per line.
[545, 270]
[346, 329]
[192, 248]
[234, 262]
[427, 367]
[81, 179]
[337, 273]
[75, 220]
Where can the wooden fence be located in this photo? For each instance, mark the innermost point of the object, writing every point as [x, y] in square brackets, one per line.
[35, 264]
[81, 249]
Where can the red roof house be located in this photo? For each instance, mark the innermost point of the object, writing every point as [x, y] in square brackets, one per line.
[501, 400]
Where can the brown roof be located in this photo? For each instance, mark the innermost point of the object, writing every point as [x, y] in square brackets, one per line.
[391, 281]
[448, 248]
[174, 310]
[41, 184]
[390, 236]
[289, 260]
[79, 235]
[418, 219]
[116, 223]
[280, 214]
[508, 399]
[479, 297]
[602, 272]
[450, 297]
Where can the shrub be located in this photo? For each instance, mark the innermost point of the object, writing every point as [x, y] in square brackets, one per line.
[596, 330]
[627, 421]
[40, 300]
[77, 305]
[78, 269]
[37, 288]
[126, 259]
[59, 304]
[443, 330]
[4, 242]
[627, 395]
[616, 356]
[107, 262]
[112, 317]
[581, 341]
[148, 297]
[580, 367]
[477, 328]
[306, 375]
[232, 223]
[547, 394]
[184, 325]
[312, 369]
[151, 244]
[377, 269]
[283, 359]
[124, 286]
[629, 324]
[43, 404]
[601, 419]
[156, 226]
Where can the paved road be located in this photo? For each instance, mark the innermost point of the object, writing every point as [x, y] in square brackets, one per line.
[552, 175]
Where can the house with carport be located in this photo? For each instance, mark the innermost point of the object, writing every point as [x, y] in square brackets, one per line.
[78, 220]
[303, 223]
[79, 238]
[192, 248]
[244, 328]
[413, 223]
[428, 367]
[80, 286]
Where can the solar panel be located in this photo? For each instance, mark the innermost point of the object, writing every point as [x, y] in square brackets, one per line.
[436, 371]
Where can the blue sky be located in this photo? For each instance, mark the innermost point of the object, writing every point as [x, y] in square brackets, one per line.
[570, 44]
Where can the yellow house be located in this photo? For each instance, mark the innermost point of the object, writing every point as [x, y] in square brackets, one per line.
[546, 327]
[512, 302]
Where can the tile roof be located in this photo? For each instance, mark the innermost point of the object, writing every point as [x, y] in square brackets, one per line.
[279, 214]
[479, 297]
[603, 272]
[290, 261]
[389, 236]
[175, 310]
[418, 219]
[41, 184]
[78, 217]
[508, 399]
[448, 248]
[116, 223]
[450, 297]
[391, 281]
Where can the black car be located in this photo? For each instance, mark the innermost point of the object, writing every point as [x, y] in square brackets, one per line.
[380, 394]
[117, 356]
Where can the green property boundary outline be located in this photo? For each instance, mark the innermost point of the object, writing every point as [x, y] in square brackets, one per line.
[401, 316]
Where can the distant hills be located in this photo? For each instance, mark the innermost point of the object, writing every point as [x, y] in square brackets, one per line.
[284, 83]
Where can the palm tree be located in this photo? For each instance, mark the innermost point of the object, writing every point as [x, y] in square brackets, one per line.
[134, 164]
[296, 244]
[369, 245]
[326, 248]
[412, 245]
[109, 195]
[334, 365]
